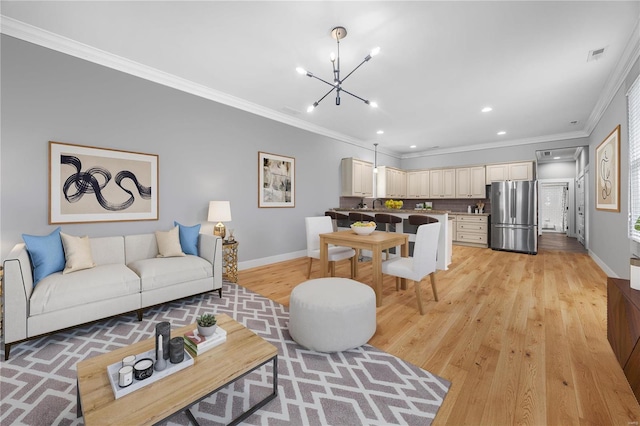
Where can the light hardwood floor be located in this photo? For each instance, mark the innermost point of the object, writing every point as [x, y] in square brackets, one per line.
[522, 338]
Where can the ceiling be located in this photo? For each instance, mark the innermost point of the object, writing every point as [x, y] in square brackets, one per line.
[440, 62]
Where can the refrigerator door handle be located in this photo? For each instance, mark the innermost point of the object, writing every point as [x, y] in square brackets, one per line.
[512, 211]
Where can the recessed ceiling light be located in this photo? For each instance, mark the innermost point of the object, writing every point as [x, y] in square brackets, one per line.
[487, 109]
[380, 132]
[412, 146]
[502, 132]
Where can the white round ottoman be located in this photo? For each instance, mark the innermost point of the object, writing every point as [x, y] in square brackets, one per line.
[332, 314]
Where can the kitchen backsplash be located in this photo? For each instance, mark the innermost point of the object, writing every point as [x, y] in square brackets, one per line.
[453, 205]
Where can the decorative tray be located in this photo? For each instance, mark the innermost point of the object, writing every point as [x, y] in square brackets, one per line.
[119, 392]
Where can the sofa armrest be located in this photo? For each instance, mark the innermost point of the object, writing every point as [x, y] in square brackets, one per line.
[17, 288]
[210, 249]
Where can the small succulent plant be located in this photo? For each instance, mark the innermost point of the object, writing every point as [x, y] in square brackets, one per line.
[207, 320]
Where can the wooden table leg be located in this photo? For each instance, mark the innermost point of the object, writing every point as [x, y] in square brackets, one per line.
[324, 257]
[404, 252]
[376, 266]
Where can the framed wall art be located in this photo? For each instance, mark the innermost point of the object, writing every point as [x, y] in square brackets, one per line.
[277, 180]
[88, 184]
[608, 173]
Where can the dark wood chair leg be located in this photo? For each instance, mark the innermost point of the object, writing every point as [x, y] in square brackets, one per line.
[7, 349]
[140, 314]
[220, 292]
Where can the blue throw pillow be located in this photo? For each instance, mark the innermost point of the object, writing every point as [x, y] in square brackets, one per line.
[188, 238]
[46, 253]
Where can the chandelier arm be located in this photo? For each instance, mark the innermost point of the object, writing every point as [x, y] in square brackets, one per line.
[354, 70]
[355, 96]
[325, 95]
[322, 80]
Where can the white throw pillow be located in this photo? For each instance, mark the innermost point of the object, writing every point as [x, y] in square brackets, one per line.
[169, 243]
[77, 252]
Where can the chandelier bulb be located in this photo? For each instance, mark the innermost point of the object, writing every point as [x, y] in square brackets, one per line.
[310, 108]
[375, 51]
[332, 57]
[373, 104]
[301, 70]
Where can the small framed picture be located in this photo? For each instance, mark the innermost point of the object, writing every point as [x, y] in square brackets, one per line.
[608, 173]
[276, 180]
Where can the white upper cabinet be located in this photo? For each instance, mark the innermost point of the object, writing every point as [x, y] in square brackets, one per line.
[392, 183]
[418, 184]
[509, 171]
[470, 182]
[442, 183]
[357, 178]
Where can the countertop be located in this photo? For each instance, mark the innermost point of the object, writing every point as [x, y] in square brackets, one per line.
[405, 211]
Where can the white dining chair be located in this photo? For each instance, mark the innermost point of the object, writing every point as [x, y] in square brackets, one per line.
[323, 225]
[422, 263]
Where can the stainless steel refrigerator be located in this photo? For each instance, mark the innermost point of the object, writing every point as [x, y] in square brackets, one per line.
[514, 216]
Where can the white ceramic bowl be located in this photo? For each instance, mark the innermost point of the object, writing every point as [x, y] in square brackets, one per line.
[363, 230]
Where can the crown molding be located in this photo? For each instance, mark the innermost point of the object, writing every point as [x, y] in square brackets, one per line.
[503, 144]
[629, 57]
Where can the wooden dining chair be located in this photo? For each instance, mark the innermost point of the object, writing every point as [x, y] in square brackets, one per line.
[422, 263]
[322, 225]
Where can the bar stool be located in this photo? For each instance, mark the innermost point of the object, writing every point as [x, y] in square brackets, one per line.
[387, 219]
[335, 217]
[420, 219]
[360, 217]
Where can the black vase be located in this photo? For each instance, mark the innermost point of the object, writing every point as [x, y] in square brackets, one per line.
[164, 329]
[176, 350]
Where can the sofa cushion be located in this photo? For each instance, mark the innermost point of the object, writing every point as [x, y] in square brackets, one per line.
[103, 282]
[163, 272]
[46, 254]
[77, 252]
[189, 238]
[169, 243]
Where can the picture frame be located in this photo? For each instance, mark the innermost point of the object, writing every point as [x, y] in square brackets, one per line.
[608, 173]
[89, 184]
[276, 180]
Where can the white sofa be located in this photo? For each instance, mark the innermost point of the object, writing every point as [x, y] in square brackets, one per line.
[128, 276]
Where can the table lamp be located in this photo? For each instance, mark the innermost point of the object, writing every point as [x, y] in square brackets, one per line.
[219, 211]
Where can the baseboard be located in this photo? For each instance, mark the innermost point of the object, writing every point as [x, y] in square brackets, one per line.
[603, 265]
[254, 263]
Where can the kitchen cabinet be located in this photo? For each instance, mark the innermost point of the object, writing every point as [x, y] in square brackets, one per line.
[470, 182]
[442, 183]
[357, 178]
[509, 171]
[472, 230]
[391, 183]
[418, 184]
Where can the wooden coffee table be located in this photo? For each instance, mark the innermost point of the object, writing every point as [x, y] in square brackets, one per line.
[243, 352]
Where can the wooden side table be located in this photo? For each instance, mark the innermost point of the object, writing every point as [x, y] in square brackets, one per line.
[230, 261]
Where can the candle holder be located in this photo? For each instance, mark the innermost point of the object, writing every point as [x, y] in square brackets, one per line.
[164, 329]
[176, 350]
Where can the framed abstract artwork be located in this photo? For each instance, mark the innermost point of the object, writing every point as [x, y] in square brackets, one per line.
[276, 180]
[608, 173]
[88, 184]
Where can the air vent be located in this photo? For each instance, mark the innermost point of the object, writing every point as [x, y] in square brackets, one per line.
[546, 153]
[596, 54]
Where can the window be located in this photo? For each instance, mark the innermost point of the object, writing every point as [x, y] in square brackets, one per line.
[633, 101]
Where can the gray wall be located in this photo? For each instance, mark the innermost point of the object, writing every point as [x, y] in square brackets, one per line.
[560, 170]
[207, 151]
[608, 238]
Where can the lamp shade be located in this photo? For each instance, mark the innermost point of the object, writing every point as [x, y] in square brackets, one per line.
[219, 211]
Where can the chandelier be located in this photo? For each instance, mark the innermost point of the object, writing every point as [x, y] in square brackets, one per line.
[338, 33]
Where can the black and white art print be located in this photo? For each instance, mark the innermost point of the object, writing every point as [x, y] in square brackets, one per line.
[276, 186]
[88, 184]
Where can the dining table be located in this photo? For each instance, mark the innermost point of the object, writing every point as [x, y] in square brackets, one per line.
[376, 242]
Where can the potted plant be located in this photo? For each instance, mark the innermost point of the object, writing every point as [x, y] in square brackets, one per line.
[207, 324]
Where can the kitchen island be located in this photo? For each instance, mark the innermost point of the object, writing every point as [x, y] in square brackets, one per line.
[445, 241]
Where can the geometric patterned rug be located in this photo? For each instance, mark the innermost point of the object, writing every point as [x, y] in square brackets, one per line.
[363, 386]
